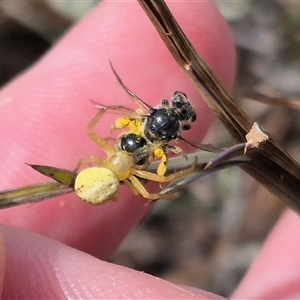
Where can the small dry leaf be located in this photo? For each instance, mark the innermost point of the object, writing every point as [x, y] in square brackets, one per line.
[255, 137]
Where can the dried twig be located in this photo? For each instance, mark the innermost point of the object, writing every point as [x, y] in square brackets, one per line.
[271, 165]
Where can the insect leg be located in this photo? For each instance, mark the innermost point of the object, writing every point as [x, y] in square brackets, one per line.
[131, 187]
[176, 150]
[162, 155]
[138, 101]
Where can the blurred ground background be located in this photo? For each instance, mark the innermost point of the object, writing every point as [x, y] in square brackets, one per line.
[208, 237]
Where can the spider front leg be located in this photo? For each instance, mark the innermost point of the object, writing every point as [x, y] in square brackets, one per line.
[102, 142]
[140, 188]
[132, 119]
[89, 161]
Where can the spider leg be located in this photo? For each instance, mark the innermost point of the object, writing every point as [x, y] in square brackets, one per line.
[131, 187]
[130, 118]
[89, 161]
[102, 142]
[162, 179]
[140, 188]
[117, 109]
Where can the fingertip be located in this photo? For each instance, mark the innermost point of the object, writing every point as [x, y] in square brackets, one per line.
[38, 267]
[30, 266]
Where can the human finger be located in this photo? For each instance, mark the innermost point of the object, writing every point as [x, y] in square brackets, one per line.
[45, 111]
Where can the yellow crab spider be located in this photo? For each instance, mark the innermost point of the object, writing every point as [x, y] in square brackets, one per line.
[100, 183]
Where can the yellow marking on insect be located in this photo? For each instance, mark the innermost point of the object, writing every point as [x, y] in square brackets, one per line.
[134, 125]
[121, 123]
[161, 154]
[96, 185]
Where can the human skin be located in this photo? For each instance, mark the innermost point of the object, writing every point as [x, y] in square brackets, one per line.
[45, 112]
[275, 272]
